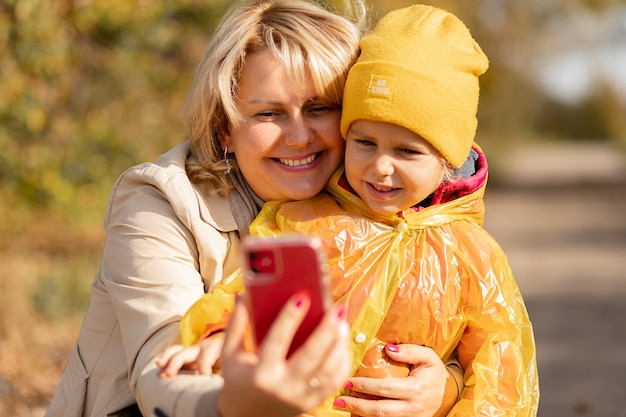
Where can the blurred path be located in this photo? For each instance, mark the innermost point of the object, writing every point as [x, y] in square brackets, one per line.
[559, 211]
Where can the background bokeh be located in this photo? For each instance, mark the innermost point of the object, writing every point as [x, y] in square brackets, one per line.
[89, 88]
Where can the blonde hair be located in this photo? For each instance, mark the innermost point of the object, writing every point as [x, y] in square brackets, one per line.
[449, 173]
[306, 37]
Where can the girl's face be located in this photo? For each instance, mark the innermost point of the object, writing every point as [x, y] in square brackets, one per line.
[390, 167]
[289, 142]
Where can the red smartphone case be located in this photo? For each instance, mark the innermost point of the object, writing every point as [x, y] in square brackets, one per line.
[276, 269]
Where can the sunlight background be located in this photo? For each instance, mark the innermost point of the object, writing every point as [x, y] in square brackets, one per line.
[89, 88]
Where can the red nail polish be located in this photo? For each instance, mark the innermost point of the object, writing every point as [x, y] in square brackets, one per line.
[393, 348]
[339, 403]
[341, 312]
[301, 300]
[349, 385]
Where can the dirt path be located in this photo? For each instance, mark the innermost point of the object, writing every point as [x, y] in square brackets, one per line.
[565, 235]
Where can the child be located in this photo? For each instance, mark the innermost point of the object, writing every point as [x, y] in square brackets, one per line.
[402, 222]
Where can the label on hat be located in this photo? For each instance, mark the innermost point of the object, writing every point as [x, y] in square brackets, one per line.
[380, 86]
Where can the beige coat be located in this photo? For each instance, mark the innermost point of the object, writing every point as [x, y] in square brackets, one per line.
[166, 244]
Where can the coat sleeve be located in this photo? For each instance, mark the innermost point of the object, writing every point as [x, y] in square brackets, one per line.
[153, 272]
[497, 348]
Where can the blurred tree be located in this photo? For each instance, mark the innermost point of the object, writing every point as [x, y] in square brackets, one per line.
[89, 88]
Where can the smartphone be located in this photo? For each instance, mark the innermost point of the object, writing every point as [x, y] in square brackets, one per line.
[277, 268]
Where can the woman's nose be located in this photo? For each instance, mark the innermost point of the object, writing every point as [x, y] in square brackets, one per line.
[299, 132]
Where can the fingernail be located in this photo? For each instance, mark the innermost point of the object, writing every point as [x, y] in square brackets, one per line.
[349, 385]
[341, 312]
[301, 300]
[339, 403]
[392, 348]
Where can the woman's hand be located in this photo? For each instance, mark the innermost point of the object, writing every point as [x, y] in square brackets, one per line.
[428, 391]
[202, 357]
[267, 384]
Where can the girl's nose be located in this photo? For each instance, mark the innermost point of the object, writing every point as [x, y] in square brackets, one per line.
[382, 165]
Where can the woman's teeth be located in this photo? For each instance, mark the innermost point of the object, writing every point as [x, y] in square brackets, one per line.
[297, 162]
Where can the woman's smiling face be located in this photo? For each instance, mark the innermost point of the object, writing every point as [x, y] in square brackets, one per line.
[288, 143]
[390, 167]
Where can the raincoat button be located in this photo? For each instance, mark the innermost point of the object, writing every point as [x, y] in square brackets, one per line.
[360, 338]
[401, 226]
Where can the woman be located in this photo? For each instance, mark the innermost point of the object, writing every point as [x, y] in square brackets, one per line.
[261, 122]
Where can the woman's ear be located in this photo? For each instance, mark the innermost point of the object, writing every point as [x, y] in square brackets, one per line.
[223, 135]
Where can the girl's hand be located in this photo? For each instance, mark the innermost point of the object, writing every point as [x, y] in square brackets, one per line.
[267, 384]
[428, 391]
[202, 357]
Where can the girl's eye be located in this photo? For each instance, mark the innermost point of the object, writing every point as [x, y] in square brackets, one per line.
[365, 142]
[410, 151]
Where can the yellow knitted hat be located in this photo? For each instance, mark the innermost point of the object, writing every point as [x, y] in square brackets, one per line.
[419, 69]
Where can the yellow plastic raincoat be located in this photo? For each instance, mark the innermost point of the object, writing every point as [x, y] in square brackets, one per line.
[430, 276]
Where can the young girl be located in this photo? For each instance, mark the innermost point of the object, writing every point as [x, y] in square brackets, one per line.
[402, 221]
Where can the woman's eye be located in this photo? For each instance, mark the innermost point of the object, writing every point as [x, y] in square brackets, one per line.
[268, 114]
[320, 110]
